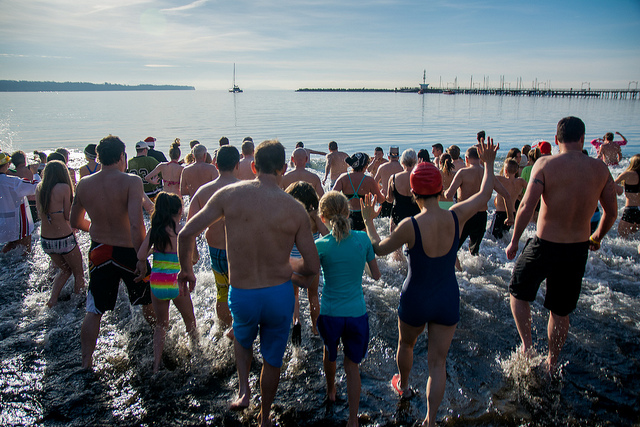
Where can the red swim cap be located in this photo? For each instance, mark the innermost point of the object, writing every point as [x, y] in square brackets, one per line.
[545, 147]
[426, 179]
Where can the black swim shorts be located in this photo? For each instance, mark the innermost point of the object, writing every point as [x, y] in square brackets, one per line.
[562, 264]
[631, 214]
[107, 266]
[474, 229]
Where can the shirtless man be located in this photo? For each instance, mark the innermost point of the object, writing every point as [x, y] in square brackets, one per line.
[197, 174]
[259, 243]
[382, 176]
[559, 250]
[227, 163]
[113, 201]
[299, 158]
[610, 152]
[336, 164]
[466, 183]
[244, 167]
[514, 186]
[377, 161]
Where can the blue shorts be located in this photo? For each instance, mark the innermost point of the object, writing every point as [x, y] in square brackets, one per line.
[269, 310]
[354, 332]
[219, 262]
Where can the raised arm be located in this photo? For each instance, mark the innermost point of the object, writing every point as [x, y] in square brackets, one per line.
[623, 138]
[402, 234]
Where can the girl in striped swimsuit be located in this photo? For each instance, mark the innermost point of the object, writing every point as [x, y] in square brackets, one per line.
[162, 242]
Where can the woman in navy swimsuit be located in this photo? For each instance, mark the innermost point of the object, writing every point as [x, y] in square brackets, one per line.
[430, 296]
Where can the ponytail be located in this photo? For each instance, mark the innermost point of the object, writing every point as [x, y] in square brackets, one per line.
[334, 206]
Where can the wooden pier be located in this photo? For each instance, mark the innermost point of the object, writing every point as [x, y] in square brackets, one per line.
[632, 94]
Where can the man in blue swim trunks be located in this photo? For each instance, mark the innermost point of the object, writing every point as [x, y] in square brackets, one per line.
[559, 250]
[227, 161]
[113, 201]
[259, 243]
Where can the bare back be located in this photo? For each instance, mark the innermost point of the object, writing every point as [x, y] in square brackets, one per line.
[572, 185]
[195, 176]
[514, 186]
[336, 164]
[55, 223]
[610, 153]
[302, 175]
[259, 240]
[113, 201]
[384, 173]
[215, 234]
[244, 168]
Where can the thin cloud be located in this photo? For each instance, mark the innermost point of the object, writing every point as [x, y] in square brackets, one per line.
[161, 66]
[189, 6]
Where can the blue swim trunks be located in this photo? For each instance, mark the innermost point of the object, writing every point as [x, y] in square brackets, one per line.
[354, 332]
[267, 310]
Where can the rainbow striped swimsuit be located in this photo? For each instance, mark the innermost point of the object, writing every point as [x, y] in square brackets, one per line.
[164, 283]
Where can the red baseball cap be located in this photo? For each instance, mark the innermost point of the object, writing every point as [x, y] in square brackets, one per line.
[426, 179]
[545, 147]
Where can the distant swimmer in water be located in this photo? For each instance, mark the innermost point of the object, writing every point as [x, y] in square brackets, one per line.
[430, 296]
[630, 221]
[171, 171]
[162, 242]
[261, 274]
[559, 250]
[92, 166]
[113, 201]
[343, 313]
[609, 151]
[53, 200]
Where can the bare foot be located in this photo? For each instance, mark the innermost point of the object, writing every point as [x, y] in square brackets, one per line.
[331, 395]
[242, 402]
[52, 303]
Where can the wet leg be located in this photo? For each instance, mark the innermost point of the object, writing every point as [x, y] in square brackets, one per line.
[330, 375]
[269, 380]
[60, 280]
[521, 311]
[557, 331]
[440, 337]
[353, 390]
[89, 337]
[243, 365]
[408, 335]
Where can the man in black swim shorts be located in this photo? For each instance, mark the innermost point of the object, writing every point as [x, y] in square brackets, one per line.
[113, 201]
[559, 250]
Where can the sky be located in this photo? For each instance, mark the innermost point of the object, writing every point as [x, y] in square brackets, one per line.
[291, 44]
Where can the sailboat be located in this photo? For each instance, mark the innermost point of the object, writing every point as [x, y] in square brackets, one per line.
[235, 88]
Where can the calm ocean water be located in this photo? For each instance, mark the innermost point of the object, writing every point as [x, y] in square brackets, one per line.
[488, 383]
[357, 121]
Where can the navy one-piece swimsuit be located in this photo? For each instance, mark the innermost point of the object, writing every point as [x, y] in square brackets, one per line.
[430, 292]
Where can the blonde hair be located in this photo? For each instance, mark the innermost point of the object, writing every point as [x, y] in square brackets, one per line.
[334, 207]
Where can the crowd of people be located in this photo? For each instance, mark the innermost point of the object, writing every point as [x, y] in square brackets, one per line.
[239, 198]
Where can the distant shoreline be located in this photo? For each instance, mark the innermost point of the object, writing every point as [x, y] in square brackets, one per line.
[27, 86]
[402, 90]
